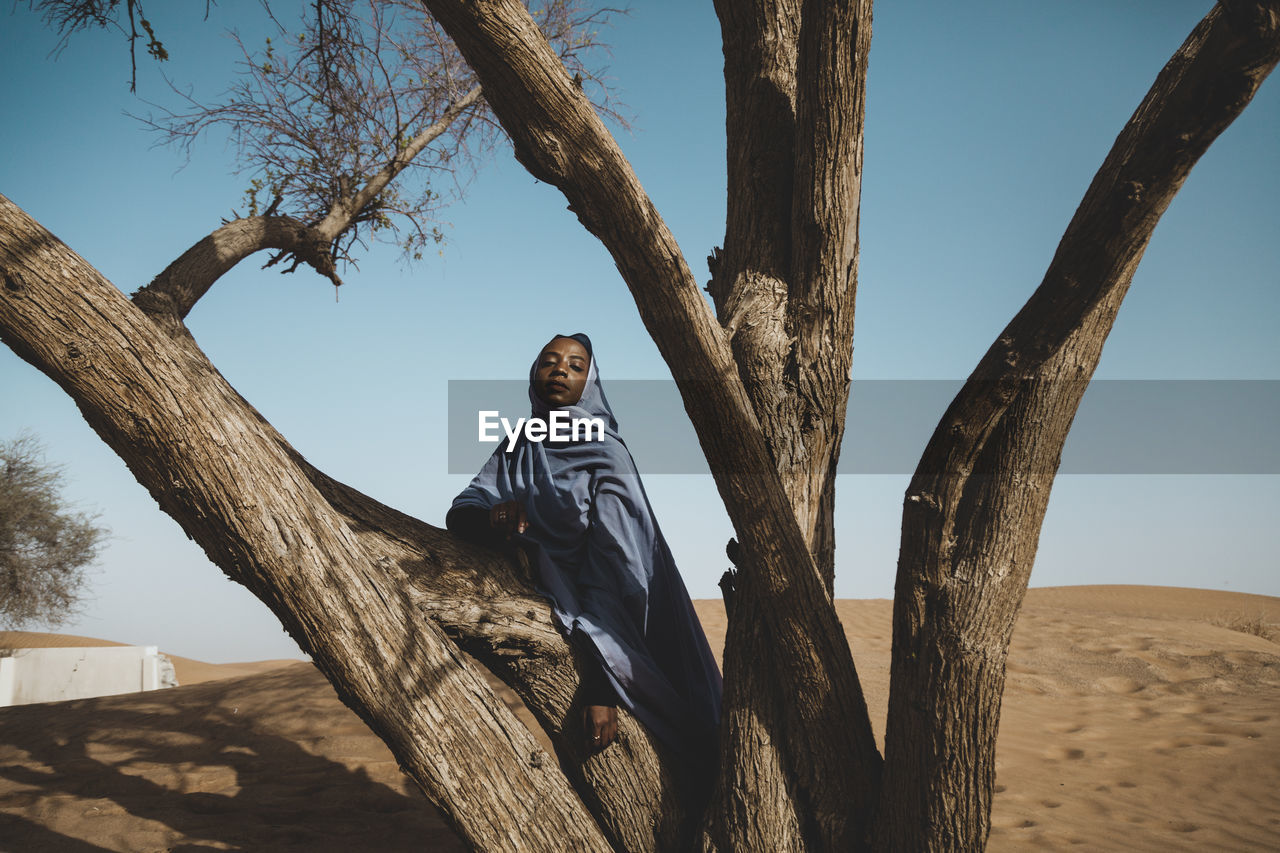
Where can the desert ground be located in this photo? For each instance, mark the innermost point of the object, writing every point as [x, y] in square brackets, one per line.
[1135, 718]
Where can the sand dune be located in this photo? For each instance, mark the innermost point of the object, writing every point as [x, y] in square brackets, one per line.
[1131, 722]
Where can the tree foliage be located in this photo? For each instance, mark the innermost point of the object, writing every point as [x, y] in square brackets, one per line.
[45, 546]
[365, 110]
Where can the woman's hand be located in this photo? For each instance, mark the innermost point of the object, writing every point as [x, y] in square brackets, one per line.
[601, 725]
[508, 517]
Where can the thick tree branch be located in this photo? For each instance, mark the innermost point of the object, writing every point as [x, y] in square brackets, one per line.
[784, 285]
[233, 484]
[834, 45]
[174, 292]
[972, 515]
[750, 278]
[829, 761]
[639, 792]
[749, 284]
[1206, 84]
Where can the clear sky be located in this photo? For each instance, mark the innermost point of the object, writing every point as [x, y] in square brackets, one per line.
[985, 123]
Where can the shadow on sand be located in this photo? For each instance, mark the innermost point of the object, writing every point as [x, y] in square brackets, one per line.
[271, 762]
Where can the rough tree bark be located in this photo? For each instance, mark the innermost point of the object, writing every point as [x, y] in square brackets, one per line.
[380, 600]
[784, 284]
[316, 551]
[636, 789]
[972, 514]
[953, 626]
[242, 494]
[800, 764]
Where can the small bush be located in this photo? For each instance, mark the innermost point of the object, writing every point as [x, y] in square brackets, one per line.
[1257, 625]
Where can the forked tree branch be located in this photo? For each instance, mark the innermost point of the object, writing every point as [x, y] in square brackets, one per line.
[1204, 86]
[973, 512]
[159, 404]
[174, 292]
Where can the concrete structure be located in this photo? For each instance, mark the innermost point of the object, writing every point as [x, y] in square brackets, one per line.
[57, 674]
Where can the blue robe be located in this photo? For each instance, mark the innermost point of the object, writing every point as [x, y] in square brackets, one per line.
[603, 562]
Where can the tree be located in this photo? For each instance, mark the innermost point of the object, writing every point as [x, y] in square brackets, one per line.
[764, 382]
[347, 128]
[45, 547]
[71, 16]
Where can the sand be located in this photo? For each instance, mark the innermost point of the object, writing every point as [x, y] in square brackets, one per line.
[1131, 722]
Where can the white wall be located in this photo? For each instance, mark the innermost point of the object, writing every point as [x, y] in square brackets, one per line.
[53, 675]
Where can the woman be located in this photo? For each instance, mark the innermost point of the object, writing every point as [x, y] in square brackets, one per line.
[580, 511]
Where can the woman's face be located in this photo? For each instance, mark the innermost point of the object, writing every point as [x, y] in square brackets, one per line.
[561, 374]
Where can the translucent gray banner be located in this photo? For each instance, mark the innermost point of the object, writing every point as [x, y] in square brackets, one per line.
[1124, 426]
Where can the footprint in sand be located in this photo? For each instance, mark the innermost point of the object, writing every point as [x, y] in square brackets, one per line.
[1142, 713]
[1059, 753]
[1119, 684]
[1065, 728]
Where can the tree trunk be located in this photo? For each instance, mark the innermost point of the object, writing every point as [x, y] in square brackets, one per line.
[797, 773]
[784, 288]
[972, 514]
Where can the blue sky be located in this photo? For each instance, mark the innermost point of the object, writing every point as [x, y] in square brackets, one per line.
[984, 126]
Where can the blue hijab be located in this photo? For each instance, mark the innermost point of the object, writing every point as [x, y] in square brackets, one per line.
[603, 562]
